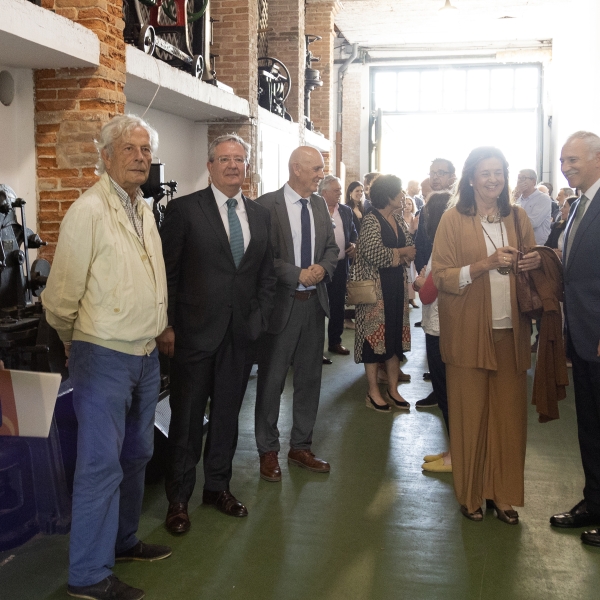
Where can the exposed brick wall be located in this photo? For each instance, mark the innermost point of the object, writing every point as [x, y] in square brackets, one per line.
[236, 41]
[320, 21]
[351, 123]
[70, 107]
[286, 43]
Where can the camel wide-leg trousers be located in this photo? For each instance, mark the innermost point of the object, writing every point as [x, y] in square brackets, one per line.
[488, 414]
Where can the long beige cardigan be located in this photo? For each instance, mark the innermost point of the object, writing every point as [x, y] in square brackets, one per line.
[466, 314]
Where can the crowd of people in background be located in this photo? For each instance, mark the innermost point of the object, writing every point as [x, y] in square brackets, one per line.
[238, 282]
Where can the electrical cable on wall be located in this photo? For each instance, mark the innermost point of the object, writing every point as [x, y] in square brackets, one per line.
[158, 88]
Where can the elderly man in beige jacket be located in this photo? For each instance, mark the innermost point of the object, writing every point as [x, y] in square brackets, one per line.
[106, 297]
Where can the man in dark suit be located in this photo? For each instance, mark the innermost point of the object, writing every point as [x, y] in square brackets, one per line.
[305, 255]
[442, 176]
[221, 284]
[580, 163]
[345, 237]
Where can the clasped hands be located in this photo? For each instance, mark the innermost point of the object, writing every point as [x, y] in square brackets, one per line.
[404, 256]
[311, 276]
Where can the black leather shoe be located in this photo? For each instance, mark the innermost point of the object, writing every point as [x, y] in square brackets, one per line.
[591, 537]
[418, 324]
[144, 552]
[578, 516]
[226, 502]
[111, 588]
[428, 402]
[177, 520]
[327, 361]
[427, 376]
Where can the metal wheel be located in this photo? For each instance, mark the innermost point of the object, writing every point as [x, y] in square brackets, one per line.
[198, 66]
[167, 13]
[274, 65]
[147, 40]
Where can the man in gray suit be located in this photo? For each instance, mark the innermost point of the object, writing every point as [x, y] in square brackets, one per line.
[305, 257]
[580, 164]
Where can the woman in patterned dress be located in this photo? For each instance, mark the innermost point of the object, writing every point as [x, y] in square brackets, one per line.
[385, 248]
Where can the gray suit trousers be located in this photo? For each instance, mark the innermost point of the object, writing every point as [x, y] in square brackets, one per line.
[300, 344]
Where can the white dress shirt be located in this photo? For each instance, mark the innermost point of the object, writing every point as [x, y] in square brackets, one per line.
[294, 210]
[338, 231]
[538, 207]
[240, 210]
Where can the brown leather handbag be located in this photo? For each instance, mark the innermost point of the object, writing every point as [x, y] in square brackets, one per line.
[529, 300]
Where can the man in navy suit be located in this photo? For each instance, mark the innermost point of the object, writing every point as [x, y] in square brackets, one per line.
[580, 163]
[345, 237]
[221, 285]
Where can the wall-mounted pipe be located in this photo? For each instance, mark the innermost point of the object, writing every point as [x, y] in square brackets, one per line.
[340, 97]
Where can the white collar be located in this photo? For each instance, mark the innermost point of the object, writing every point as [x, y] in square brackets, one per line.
[221, 198]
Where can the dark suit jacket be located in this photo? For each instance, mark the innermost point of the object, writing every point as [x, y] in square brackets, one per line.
[326, 252]
[423, 244]
[205, 288]
[350, 234]
[582, 282]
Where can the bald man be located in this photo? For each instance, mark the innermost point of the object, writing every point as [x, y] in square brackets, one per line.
[305, 257]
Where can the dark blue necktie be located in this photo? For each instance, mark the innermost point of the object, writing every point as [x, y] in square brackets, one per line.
[306, 243]
[236, 237]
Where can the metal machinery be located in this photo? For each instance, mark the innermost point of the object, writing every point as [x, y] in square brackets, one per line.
[312, 79]
[176, 31]
[33, 489]
[25, 338]
[274, 84]
[157, 189]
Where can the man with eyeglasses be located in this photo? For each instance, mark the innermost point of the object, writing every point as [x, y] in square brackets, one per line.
[536, 204]
[442, 176]
[221, 284]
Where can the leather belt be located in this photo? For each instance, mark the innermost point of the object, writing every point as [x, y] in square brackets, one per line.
[304, 294]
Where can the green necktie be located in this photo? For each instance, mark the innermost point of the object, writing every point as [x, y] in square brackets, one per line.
[236, 237]
[576, 220]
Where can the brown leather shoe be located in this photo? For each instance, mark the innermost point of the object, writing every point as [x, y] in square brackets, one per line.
[269, 467]
[177, 520]
[339, 349]
[307, 460]
[226, 502]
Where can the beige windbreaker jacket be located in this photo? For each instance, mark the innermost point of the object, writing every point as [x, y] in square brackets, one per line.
[104, 286]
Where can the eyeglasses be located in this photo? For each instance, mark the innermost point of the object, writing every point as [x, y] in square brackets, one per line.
[238, 160]
[524, 177]
[439, 173]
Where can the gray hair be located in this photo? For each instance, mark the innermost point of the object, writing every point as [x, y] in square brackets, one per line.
[592, 140]
[529, 173]
[117, 127]
[568, 191]
[327, 181]
[228, 137]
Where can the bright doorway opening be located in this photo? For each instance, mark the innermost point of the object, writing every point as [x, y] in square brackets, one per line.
[421, 113]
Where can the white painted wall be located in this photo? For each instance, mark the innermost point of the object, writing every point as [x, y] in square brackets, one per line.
[575, 77]
[182, 147]
[17, 143]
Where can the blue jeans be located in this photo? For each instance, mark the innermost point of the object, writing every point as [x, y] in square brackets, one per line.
[114, 396]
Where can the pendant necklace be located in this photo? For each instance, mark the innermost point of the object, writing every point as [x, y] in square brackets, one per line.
[496, 219]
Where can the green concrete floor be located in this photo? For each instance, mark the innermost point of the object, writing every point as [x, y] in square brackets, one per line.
[375, 528]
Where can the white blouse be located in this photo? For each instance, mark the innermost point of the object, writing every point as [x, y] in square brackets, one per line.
[499, 284]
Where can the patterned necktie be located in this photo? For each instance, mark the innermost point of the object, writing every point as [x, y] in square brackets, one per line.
[576, 220]
[306, 243]
[236, 237]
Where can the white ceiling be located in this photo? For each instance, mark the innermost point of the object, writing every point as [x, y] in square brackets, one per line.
[420, 23]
